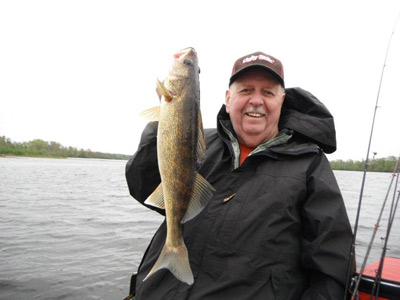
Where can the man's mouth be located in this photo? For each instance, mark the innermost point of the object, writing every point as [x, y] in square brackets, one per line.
[255, 114]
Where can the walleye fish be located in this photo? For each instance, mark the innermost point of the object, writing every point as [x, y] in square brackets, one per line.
[183, 192]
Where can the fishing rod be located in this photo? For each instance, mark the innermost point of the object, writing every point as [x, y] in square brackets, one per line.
[353, 244]
[377, 225]
[378, 277]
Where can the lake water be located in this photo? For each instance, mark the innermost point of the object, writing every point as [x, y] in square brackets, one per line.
[70, 230]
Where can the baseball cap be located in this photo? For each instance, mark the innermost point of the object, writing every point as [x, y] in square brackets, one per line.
[258, 60]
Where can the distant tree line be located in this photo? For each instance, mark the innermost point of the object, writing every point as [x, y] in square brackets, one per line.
[40, 148]
[374, 165]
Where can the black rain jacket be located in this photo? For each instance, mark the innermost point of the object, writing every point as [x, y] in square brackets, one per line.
[283, 234]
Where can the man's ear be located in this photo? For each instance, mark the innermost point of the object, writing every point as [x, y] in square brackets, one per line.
[227, 101]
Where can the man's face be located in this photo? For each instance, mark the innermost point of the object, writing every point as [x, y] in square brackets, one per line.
[254, 102]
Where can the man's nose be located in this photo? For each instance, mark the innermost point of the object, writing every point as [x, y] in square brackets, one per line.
[256, 99]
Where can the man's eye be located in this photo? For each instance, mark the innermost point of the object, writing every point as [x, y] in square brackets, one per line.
[267, 93]
[245, 90]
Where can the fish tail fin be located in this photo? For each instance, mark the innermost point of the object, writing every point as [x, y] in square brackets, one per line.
[176, 260]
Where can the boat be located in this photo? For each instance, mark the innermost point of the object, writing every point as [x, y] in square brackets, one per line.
[389, 288]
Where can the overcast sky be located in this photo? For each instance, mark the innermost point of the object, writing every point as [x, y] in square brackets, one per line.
[80, 72]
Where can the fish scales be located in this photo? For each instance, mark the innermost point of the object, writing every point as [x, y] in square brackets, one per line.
[183, 192]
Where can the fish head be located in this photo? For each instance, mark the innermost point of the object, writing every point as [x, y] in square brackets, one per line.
[184, 73]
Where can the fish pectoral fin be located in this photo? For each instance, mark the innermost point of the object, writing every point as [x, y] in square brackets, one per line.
[175, 259]
[162, 90]
[151, 114]
[202, 192]
[201, 142]
[156, 199]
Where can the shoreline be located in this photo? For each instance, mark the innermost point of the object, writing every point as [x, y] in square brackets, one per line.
[56, 157]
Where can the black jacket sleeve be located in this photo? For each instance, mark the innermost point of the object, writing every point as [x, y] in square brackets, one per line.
[142, 174]
[327, 234]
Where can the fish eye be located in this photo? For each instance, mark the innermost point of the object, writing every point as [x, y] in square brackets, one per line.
[188, 62]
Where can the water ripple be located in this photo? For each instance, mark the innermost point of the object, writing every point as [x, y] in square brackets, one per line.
[70, 230]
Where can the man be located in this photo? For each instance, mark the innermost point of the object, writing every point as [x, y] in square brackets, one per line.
[276, 227]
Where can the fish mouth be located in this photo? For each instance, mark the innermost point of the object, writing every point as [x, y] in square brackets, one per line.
[185, 53]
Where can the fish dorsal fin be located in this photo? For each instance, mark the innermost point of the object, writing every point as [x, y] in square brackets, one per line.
[202, 192]
[201, 142]
[156, 199]
[151, 114]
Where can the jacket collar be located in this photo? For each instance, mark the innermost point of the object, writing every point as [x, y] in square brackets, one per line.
[308, 117]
